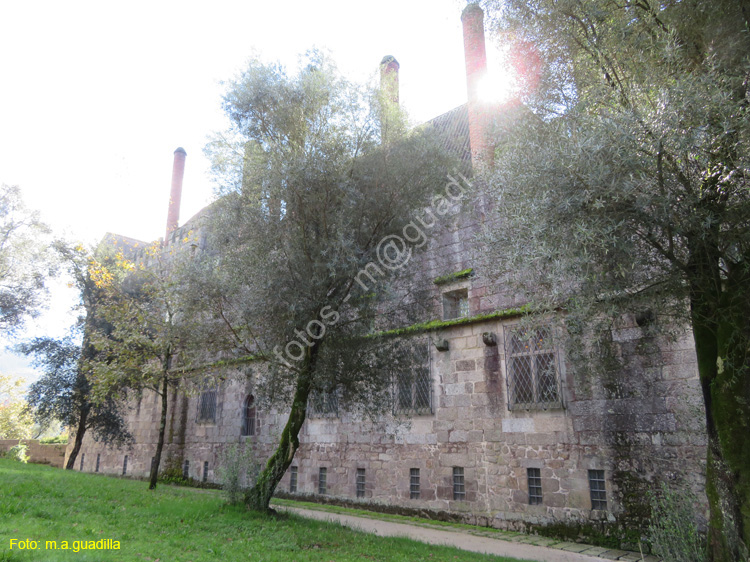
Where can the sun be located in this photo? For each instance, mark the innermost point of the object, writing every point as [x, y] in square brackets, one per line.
[497, 86]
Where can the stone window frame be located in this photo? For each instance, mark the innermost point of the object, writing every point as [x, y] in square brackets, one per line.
[459, 484]
[360, 482]
[534, 481]
[208, 405]
[413, 392]
[455, 303]
[125, 465]
[415, 491]
[525, 389]
[293, 479]
[83, 456]
[597, 489]
[249, 417]
[205, 471]
[186, 468]
[98, 458]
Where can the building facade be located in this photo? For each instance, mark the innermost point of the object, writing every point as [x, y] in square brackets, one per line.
[497, 428]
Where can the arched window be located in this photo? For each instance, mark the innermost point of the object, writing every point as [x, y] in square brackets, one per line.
[248, 416]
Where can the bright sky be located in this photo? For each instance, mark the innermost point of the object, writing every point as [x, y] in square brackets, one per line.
[95, 96]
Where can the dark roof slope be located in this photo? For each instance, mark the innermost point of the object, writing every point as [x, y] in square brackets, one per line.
[453, 127]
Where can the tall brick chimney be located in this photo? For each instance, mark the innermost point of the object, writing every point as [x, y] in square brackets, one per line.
[389, 91]
[178, 171]
[476, 69]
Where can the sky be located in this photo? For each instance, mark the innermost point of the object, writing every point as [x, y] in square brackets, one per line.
[96, 96]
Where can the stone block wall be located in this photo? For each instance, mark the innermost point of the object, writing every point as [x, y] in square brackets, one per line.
[52, 454]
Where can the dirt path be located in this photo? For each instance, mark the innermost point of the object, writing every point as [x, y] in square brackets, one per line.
[463, 540]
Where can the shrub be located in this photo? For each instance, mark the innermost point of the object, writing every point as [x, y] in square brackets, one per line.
[18, 453]
[673, 531]
[63, 438]
[237, 471]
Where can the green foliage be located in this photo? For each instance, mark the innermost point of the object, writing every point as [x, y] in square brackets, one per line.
[440, 324]
[63, 438]
[18, 453]
[15, 420]
[237, 470]
[673, 533]
[25, 260]
[450, 277]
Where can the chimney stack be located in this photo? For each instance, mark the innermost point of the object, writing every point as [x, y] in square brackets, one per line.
[476, 69]
[389, 94]
[178, 171]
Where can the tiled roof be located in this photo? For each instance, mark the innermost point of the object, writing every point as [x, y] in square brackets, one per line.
[453, 127]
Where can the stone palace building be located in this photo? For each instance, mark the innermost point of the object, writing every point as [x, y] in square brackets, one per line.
[502, 432]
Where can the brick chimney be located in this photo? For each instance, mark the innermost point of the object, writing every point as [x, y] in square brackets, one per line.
[389, 91]
[476, 69]
[178, 171]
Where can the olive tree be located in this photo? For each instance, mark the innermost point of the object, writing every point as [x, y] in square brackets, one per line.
[315, 216]
[622, 184]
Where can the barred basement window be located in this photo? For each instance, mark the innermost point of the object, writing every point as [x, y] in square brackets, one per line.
[322, 480]
[205, 471]
[360, 482]
[186, 469]
[83, 456]
[413, 386]
[532, 375]
[293, 480]
[598, 489]
[207, 406]
[248, 416]
[98, 456]
[459, 490]
[414, 491]
[455, 304]
[125, 465]
[534, 476]
[323, 404]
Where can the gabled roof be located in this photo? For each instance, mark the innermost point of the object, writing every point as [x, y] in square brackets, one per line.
[453, 127]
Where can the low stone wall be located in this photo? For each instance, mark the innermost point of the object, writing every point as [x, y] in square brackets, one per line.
[40, 453]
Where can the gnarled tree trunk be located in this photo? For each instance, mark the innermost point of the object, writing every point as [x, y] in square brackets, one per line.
[80, 432]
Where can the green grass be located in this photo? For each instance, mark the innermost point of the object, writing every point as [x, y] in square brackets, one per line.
[174, 524]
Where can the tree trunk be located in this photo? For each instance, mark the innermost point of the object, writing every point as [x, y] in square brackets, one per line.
[162, 430]
[80, 432]
[259, 496]
[721, 344]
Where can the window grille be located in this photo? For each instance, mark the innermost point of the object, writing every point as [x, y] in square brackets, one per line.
[598, 489]
[459, 490]
[125, 465]
[323, 403]
[293, 480]
[456, 304]
[534, 476]
[186, 469]
[207, 406]
[360, 482]
[532, 375]
[322, 480]
[83, 456]
[248, 416]
[413, 386]
[414, 491]
[205, 471]
[98, 457]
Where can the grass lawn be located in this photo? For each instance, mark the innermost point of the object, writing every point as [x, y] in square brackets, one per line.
[173, 524]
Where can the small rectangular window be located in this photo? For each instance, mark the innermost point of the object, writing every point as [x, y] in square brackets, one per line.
[293, 480]
[205, 471]
[98, 456]
[598, 489]
[83, 456]
[414, 491]
[456, 304]
[322, 480]
[186, 469]
[459, 490]
[534, 476]
[360, 482]
[125, 465]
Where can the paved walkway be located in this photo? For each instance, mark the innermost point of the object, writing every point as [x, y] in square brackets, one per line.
[512, 545]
